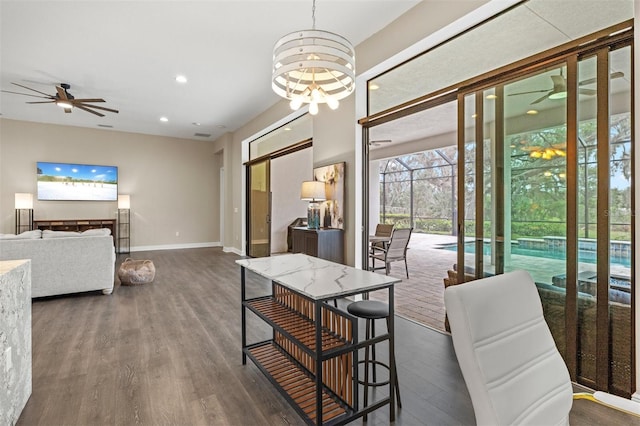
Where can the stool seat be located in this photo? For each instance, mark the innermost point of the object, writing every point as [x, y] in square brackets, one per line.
[369, 309]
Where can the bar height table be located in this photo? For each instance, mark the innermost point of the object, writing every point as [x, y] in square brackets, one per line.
[312, 356]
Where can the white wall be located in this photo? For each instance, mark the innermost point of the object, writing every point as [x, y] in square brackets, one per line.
[173, 183]
[287, 174]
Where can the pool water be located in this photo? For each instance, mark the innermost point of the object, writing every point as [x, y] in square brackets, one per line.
[585, 256]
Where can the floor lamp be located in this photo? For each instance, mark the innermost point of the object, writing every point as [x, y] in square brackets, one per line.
[124, 223]
[24, 212]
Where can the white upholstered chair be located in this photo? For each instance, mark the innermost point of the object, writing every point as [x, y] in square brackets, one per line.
[512, 368]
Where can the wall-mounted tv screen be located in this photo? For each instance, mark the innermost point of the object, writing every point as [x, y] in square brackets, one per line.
[77, 182]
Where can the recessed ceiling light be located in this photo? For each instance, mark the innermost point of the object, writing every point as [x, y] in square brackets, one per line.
[286, 129]
[195, 123]
[181, 78]
[532, 112]
[373, 86]
[492, 97]
[164, 119]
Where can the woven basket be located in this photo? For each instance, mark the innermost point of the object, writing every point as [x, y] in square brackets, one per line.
[135, 272]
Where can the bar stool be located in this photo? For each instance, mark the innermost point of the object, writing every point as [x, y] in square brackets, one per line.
[372, 310]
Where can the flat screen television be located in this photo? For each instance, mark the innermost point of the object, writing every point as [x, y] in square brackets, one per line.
[77, 182]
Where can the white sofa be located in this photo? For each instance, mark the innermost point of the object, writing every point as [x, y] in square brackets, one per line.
[64, 262]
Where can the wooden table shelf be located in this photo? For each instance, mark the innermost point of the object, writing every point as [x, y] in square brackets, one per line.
[296, 382]
[300, 328]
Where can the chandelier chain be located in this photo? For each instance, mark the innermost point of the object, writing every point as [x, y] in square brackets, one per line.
[313, 14]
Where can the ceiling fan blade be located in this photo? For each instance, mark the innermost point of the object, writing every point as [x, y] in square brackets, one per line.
[613, 75]
[88, 110]
[87, 100]
[557, 79]
[541, 98]
[27, 94]
[41, 102]
[589, 92]
[61, 93]
[526, 93]
[34, 90]
[97, 107]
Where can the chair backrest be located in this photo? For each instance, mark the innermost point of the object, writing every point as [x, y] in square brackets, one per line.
[384, 230]
[512, 368]
[397, 248]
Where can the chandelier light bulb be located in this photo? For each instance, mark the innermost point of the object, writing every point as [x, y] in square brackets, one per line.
[313, 108]
[315, 95]
[296, 103]
[333, 103]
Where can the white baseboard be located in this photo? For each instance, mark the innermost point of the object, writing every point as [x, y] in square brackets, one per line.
[232, 250]
[176, 246]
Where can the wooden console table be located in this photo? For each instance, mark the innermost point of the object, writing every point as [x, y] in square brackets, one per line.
[325, 243]
[312, 357]
[76, 225]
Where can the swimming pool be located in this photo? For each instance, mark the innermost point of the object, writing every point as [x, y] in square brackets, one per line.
[585, 256]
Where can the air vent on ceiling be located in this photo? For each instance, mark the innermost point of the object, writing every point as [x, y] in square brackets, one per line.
[108, 126]
[202, 135]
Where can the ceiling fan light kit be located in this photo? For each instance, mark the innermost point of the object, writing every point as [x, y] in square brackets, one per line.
[313, 67]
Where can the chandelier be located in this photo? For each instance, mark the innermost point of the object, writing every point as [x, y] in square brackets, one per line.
[313, 67]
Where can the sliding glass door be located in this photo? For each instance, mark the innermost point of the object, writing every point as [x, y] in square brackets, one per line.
[546, 173]
[259, 208]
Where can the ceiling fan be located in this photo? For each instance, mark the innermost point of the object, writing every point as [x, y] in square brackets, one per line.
[559, 89]
[65, 100]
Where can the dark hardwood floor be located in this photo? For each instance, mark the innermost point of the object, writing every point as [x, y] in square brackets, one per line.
[169, 353]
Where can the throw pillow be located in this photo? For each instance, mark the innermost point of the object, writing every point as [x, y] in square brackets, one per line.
[28, 235]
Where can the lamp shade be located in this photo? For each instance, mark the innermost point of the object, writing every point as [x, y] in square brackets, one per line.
[313, 191]
[124, 201]
[24, 201]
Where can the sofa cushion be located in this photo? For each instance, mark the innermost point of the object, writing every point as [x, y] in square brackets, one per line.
[28, 235]
[47, 233]
[97, 231]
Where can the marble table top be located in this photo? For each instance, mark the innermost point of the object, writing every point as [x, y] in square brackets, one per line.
[317, 278]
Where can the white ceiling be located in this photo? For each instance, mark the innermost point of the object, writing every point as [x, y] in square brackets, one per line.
[530, 28]
[129, 53]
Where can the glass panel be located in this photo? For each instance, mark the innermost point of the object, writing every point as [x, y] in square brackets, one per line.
[486, 48]
[587, 221]
[259, 208]
[470, 187]
[295, 131]
[620, 218]
[535, 204]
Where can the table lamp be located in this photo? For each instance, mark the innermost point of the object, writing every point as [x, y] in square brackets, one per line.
[313, 191]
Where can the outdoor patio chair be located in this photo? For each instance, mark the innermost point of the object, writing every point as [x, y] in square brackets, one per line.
[394, 251]
[382, 230]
